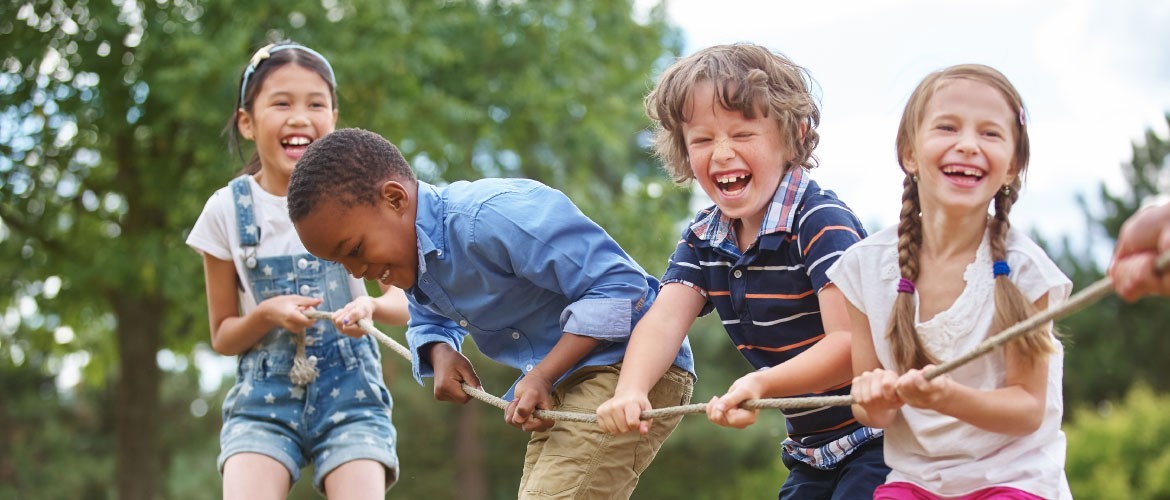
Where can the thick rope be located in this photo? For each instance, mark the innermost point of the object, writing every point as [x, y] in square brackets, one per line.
[1078, 301]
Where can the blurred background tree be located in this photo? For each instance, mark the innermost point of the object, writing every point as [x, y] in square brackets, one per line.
[110, 133]
[1112, 344]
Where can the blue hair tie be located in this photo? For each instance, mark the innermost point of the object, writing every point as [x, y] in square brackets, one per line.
[266, 51]
[1001, 268]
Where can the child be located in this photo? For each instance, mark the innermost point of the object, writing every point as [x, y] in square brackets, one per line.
[941, 281]
[741, 121]
[1144, 236]
[260, 280]
[539, 286]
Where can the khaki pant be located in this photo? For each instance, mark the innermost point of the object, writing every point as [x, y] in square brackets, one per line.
[576, 460]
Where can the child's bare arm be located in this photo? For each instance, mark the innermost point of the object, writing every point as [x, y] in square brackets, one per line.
[653, 346]
[823, 366]
[534, 390]
[877, 402]
[391, 308]
[1017, 408]
[231, 333]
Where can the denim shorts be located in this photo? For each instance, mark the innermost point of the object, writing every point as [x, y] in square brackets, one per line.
[343, 415]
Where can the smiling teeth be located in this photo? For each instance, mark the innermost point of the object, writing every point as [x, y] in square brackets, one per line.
[385, 275]
[728, 179]
[970, 172]
[296, 141]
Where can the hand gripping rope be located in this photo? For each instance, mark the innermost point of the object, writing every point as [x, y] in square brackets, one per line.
[1078, 301]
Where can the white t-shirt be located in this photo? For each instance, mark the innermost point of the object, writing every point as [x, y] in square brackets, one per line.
[216, 234]
[941, 453]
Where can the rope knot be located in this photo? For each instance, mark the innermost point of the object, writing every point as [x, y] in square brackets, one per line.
[304, 369]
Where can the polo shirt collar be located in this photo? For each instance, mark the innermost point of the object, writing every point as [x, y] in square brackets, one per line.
[780, 216]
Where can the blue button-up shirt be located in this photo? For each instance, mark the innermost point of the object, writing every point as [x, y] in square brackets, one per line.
[515, 264]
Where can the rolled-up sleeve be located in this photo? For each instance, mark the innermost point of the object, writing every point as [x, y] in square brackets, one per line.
[548, 241]
[426, 327]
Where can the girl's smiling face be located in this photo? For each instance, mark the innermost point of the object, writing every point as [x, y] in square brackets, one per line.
[293, 108]
[965, 146]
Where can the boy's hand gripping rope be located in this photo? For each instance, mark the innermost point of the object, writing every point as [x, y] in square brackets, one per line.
[1078, 301]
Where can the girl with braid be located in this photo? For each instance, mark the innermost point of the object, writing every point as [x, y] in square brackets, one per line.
[945, 278]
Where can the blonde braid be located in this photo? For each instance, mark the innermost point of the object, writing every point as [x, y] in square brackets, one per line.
[908, 350]
[1011, 306]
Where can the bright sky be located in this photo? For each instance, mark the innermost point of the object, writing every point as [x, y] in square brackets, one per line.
[1094, 75]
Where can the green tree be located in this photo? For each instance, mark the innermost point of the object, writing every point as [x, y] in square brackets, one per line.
[1121, 450]
[1111, 344]
[110, 119]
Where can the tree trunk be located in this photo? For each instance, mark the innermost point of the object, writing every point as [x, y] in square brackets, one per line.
[470, 478]
[139, 329]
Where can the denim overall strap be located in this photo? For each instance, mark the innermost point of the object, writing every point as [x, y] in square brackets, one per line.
[304, 369]
[245, 218]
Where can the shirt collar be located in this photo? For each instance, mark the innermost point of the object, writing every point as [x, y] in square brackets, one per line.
[428, 221]
[780, 216]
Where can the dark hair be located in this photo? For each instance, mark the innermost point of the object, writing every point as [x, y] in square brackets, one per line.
[266, 60]
[346, 166]
[748, 78]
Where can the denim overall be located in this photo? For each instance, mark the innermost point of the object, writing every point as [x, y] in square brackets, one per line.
[341, 416]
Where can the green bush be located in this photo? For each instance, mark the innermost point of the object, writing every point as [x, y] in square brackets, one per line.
[1121, 450]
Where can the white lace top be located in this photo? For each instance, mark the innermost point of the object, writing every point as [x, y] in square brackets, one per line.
[937, 452]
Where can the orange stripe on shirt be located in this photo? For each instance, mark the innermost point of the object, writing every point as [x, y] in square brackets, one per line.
[828, 228]
[782, 348]
[776, 295]
[719, 294]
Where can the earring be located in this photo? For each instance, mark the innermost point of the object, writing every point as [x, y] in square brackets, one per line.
[914, 178]
[1007, 190]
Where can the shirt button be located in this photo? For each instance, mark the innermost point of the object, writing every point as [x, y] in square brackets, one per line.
[438, 253]
[738, 273]
[302, 263]
[305, 289]
[463, 323]
[515, 335]
[528, 367]
[251, 262]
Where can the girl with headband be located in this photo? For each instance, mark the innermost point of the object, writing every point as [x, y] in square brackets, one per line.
[305, 392]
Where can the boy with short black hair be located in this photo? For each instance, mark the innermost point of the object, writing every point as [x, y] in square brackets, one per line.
[513, 263]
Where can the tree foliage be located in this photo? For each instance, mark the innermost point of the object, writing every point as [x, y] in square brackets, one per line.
[110, 133]
[1111, 344]
[1121, 450]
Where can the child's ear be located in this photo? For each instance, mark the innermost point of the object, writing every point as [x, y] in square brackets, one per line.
[394, 194]
[244, 124]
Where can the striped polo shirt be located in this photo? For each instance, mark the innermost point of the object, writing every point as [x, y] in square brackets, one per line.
[767, 296]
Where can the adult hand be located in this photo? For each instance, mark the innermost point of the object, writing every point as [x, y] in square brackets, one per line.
[1143, 237]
